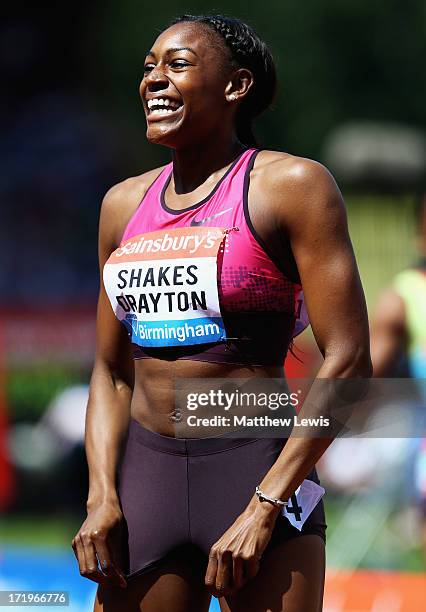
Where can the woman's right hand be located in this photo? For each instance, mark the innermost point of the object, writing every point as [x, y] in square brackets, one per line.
[96, 545]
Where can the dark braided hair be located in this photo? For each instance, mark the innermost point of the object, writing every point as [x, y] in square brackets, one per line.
[247, 51]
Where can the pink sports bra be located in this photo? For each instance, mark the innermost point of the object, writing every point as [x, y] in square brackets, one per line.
[199, 283]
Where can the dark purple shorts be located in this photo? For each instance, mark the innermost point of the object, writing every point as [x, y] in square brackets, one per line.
[182, 494]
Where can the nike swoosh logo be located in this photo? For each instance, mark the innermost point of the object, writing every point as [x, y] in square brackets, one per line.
[195, 223]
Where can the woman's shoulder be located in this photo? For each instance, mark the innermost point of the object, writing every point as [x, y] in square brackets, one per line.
[296, 184]
[122, 200]
[279, 167]
[130, 191]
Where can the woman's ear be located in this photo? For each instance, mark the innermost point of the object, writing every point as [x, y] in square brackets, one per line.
[239, 85]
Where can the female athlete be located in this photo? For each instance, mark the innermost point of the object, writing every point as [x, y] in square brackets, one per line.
[203, 264]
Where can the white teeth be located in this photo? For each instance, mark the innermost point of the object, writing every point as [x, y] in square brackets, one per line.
[163, 102]
[161, 111]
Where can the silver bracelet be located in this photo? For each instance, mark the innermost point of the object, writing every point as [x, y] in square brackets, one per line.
[263, 497]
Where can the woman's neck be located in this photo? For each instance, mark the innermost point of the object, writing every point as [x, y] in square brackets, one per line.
[193, 166]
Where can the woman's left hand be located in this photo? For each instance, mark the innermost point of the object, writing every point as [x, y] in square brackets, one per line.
[235, 557]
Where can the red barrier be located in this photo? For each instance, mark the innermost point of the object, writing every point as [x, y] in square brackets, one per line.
[374, 591]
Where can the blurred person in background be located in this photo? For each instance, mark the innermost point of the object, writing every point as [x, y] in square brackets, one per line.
[172, 516]
[398, 342]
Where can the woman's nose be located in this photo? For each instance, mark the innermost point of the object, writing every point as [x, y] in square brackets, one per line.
[156, 80]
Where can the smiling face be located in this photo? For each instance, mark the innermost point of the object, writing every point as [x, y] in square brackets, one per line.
[186, 86]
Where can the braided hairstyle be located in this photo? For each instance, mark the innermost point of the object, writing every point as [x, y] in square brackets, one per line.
[247, 50]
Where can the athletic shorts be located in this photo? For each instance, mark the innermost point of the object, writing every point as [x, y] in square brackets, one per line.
[180, 495]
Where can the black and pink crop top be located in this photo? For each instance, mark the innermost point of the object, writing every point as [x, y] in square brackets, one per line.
[198, 283]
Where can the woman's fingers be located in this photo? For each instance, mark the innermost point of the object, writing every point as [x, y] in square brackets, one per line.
[106, 561]
[235, 558]
[238, 578]
[86, 558]
[251, 567]
[77, 547]
[219, 574]
[92, 569]
[224, 572]
[210, 578]
[92, 552]
[243, 570]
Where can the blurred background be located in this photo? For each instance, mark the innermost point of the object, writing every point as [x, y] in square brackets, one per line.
[352, 95]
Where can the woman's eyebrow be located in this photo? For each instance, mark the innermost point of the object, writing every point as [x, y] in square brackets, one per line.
[176, 49]
[173, 50]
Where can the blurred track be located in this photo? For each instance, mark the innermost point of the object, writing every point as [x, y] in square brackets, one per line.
[35, 568]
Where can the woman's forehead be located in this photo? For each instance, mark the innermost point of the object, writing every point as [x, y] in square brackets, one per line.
[186, 34]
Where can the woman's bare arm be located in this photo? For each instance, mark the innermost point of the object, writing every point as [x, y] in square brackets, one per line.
[112, 380]
[96, 544]
[317, 228]
[309, 210]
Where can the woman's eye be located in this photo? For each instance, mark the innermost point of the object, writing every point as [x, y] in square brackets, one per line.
[147, 68]
[179, 64]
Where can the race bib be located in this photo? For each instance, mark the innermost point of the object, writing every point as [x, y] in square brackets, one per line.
[302, 502]
[163, 286]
